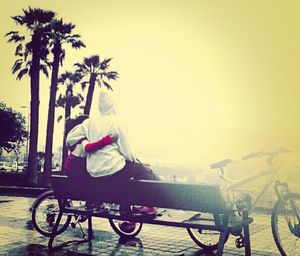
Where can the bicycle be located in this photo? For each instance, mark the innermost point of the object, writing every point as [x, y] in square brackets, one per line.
[285, 215]
[45, 210]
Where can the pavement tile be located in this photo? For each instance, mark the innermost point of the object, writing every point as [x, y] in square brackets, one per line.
[17, 237]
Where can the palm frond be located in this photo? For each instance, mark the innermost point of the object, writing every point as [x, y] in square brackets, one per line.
[28, 64]
[11, 33]
[20, 20]
[78, 44]
[107, 85]
[84, 85]
[44, 52]
[111, 75]
[16, 38]
[19, 49]
[87, 61]
[80, 67]
[48, 63]
[61, 101]
[76, 36]
[63, 77]
[105, 63]
[37, 15]
[22, 73]
[77, 77]
[59, 118]
[99, 80]
[95, 60]
[44, 69]
[62, 57]
[70, 78]
[80, 97]
[27, 51]
[75, 100]
[17, 65]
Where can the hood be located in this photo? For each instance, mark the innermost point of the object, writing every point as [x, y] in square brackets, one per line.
[106, 103]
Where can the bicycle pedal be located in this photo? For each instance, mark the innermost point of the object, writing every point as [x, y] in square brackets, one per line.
[240, 242]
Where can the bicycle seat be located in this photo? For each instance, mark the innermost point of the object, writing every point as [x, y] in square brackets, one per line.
[220, 164]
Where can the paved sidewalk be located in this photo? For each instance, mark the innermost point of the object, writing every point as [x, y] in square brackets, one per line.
[17, 237]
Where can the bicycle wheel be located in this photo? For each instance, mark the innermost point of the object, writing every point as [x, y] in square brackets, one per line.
[286, 226]
[126, 228]
[44, 213]
[206, 239]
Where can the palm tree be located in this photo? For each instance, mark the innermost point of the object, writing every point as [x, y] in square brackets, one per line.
[60, 33]
[68, 101]
[22, 65]
[97, 71]
[36, 21]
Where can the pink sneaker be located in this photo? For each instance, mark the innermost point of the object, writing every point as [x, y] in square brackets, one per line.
[127, 226]
[50, 219]
[145, 210]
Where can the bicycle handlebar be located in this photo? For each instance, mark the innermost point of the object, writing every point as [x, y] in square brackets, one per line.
[269, 155]
[251, 155]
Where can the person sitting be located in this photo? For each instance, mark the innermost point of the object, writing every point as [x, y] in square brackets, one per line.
[75, 165]
[116, 161]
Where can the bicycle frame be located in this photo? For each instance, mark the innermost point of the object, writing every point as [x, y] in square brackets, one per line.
[286, 207]
[271, 172]
[250, 179]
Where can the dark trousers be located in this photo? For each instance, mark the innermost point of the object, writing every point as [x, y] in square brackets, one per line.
[131, 170]
[135, 170]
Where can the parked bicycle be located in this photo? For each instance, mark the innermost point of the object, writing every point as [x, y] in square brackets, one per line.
[285, 216]
[45, 210]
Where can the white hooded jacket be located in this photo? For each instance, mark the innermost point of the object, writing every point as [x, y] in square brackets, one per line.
[111, 158]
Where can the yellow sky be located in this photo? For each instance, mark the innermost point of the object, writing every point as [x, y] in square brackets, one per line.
[199, 80]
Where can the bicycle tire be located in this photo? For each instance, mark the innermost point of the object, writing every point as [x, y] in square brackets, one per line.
[281, 219]
[122, 233]
[35, 211]
[205, 241]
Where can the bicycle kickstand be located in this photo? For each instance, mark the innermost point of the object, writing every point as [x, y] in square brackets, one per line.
[73, 224]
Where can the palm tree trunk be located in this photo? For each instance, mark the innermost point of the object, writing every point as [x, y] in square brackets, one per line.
[67, 115]
[34, 110]
[89, 96]
[51, 115]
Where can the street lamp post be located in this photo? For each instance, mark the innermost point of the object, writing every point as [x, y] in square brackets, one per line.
[28, 108]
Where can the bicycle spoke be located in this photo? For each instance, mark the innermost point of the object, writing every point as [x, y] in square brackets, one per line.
[285, 225]
[44, 215]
